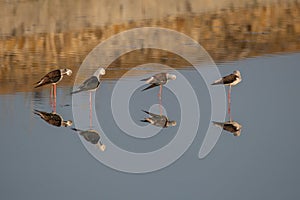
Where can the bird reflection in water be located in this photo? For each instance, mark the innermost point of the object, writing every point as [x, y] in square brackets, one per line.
[158, 120]
[91, 136]
[231, 126]
[229, 80]
[53, 118]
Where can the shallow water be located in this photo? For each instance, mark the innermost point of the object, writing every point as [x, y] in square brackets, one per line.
[41, 161]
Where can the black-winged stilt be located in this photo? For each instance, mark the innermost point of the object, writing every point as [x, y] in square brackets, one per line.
[91, 84]
[230, 80]
[53, 78]
[158, 80]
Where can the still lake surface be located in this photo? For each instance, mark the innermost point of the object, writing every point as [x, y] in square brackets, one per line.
[41, 161]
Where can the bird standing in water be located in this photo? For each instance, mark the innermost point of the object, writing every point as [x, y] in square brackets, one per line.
[158, 80]
[53, 78]
[230, 80]
[158, 120]
[91, 84]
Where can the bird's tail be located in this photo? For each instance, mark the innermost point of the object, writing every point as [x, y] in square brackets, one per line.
[146, 112]
[144, 120]
[37, 112]
[75, 129]
[39, 84]
[75, 92]
[149, 87]
[219, 124]
[144, 79]
[217, 82]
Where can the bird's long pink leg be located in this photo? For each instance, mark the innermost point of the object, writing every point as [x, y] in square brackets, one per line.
[54, 97]
[51, 91]
[54, 90]
[54, 104]
[51, 94]
[160, 99]
[90, 109]
[229, 102]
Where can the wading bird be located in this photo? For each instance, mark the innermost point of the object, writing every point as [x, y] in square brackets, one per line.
[158, 80]
[53, 78]
[230, 80]
[91, 84]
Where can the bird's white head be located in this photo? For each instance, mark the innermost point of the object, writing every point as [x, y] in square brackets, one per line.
[102, 147]
[67, 71]
[237, 133]
[237, 72]
[102, 71]
[99, 72]
[171, 76]
[172, 123]
[237, 125]
[67, 123]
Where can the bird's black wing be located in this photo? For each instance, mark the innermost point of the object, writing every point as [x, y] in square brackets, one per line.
[229, 79]
[51, 77]
[161, 120]
[230, 127]
[55, 76]
[151, 114]
[91, 136]
[150, 86]
[55, 120]
[160, 79]
[89, 84]
[51, 118]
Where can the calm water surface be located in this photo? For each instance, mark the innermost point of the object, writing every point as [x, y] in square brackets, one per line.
[41, 161]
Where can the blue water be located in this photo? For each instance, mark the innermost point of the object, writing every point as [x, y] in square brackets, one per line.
[40, 161]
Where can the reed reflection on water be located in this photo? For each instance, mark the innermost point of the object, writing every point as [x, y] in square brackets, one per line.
[223, 33]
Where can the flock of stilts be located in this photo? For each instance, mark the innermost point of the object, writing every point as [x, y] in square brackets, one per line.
[162, 121]
[157, 80]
